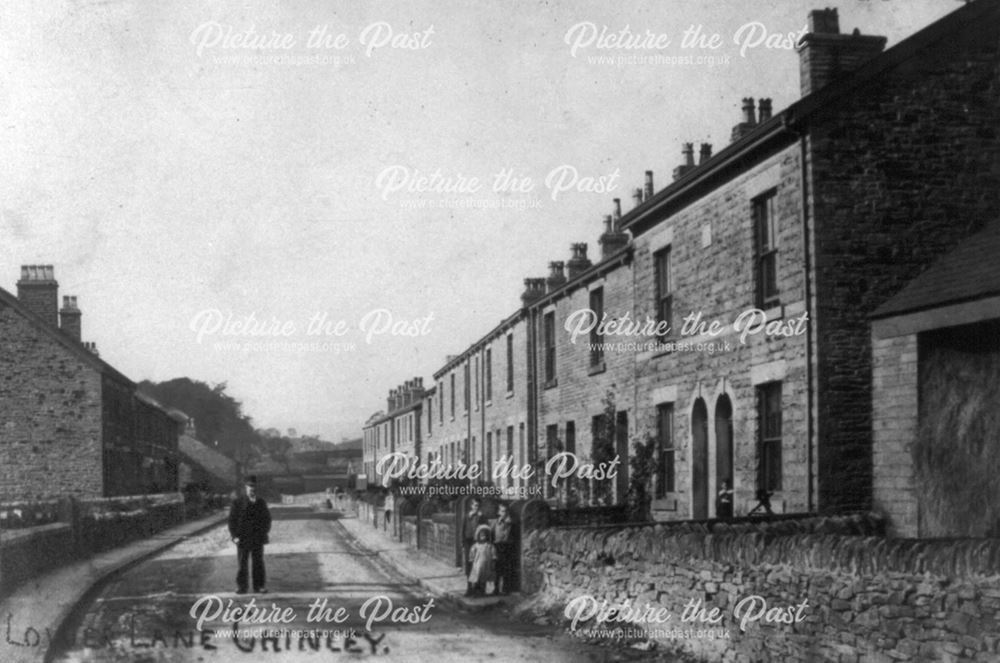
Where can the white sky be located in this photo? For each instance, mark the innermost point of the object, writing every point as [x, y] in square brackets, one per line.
[162, 182]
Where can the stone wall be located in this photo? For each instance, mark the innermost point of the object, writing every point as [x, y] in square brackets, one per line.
[866, 598]
[85, 527]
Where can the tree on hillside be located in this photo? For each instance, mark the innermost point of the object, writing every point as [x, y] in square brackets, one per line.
[219, 418]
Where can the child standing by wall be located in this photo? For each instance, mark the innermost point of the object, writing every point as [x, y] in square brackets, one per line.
[482, 558]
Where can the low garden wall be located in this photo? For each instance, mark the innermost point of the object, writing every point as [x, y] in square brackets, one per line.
[36, 537]
[822, 589]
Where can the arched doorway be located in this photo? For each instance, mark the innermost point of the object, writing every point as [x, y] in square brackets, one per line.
[699, 460]
[723, 442]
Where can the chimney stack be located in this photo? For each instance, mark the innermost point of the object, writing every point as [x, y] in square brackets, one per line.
[557, 276]
[748, 122]
[39, 292]
[579, 263]
[705, 154]
[763, 111]
[90, 345]
[749, 116]
[534, 289]
[826, 55]
[688, 164]
[69, 318]
[647, 191]
[613, 239]
[637, 196]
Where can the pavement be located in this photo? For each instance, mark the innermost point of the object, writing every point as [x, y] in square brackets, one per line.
[441, 579]
[330, 591]
[33, 614]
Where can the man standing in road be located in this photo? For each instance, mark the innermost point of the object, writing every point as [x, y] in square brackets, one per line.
[249, 526]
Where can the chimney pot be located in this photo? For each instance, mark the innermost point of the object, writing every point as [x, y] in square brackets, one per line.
[637, 196]
[764, 110]
[579, 263]
[824, 21]
[748, 111]
[687, 151]
[648, 191]
[69, 318]
[705, 154]
[613, 239]
[557, 277]
[534, 289]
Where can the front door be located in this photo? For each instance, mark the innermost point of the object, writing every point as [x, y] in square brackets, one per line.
[699, 461]
[723, 442]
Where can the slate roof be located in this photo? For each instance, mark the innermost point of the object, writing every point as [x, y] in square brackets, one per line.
[218, 465]
[971, 271]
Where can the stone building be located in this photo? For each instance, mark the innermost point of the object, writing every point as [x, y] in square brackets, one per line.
[584, 381]
[70, 423]
[454, 441]
[936, 396]
[201, 466]
[764, 262]
[825, 209]
[397, 430]
[500, 402]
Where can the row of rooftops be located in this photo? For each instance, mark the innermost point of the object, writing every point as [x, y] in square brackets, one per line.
[37, 300]
[855, 60]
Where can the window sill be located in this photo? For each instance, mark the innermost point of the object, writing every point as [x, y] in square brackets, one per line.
[551, 383]
[668, 503]
[663, 347]
[596, 369]
[510, 394]
[489, 402]
[774, 311]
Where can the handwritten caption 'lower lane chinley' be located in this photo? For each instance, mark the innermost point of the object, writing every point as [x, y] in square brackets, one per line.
[126, 634]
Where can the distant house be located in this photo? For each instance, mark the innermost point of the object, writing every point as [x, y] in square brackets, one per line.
[398, 430]
[203, 466]
[70, 423]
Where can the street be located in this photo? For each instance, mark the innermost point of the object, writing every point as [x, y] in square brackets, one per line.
[329, 597]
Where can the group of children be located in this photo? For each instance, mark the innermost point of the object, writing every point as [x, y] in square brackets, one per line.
[489, 550]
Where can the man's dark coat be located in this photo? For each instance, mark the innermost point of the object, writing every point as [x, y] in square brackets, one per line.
[250, 522]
